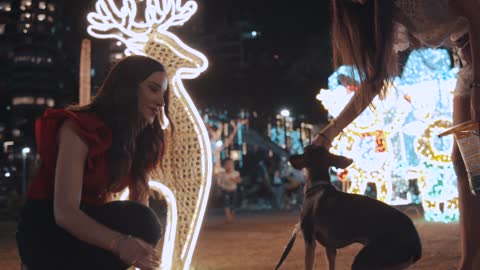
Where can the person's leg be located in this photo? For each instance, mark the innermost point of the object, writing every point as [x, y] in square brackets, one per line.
[227, 206]
[231, 206]
[43, 244]
[280, 191]
[129, 217]
[126, 217]
[276, 203]
[274, 197]
[36, 236]
[235, 196]
[228, 215]
[469, 204]
[282, 196]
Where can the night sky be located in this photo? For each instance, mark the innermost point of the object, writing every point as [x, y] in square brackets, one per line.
[298, 32]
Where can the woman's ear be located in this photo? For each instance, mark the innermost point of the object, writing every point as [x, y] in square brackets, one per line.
[297, 161]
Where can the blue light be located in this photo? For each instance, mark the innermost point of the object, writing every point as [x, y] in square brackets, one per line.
[418, 106]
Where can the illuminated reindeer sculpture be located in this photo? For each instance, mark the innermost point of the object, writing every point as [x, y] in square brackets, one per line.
[184, 177]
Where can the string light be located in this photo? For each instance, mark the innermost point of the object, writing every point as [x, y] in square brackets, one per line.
[433, 149]
[395, 139]
[110, 21]
[119, 22]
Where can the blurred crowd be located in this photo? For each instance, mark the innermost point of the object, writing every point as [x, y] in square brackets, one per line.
[266, 182]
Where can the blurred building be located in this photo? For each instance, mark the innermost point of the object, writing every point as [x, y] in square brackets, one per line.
[237, 46]
[34, 76]
[34, 73]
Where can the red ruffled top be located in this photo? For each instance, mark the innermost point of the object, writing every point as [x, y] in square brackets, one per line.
[97, 136]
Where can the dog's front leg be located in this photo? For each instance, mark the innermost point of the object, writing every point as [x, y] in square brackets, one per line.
[309, 254]
[331, 255]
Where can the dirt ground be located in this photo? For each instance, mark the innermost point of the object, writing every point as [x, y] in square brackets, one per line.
[256, 241]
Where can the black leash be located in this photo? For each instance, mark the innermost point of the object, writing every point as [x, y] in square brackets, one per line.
[289, 246]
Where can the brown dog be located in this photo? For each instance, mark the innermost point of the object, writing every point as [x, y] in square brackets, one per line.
[336, 219]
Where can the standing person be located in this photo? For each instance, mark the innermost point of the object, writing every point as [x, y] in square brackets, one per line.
[215, 135]
[295, 181]
[264, 183]
[228, 181]
[278, 189]
[366, 34]
[87, 154]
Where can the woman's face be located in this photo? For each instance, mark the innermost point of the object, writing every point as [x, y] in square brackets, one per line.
[151, 95]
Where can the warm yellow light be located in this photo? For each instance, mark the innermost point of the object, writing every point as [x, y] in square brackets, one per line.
[187, 165]
[424, 144]
[369, 141]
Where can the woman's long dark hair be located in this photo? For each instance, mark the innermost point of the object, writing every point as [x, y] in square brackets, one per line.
[363, 36]
[136, 147]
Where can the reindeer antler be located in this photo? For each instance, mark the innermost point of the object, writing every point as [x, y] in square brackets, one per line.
[175, 12]
[108, 21]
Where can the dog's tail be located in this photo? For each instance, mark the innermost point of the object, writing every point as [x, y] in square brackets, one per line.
[289, 246]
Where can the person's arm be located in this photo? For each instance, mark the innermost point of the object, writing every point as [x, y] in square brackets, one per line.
[351, 111]
[474, 31]
[218, 132]
[230, 137]
[237, 179]
[219, 179]
[214, 135]
[469, 9]
[69, 173]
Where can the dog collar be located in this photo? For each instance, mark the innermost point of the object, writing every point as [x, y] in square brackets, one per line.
[317, 186]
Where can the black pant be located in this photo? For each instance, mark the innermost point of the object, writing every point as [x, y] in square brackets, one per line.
[229, 199]
[42, 244]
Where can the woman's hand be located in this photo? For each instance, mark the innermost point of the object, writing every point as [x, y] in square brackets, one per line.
[322, 140]
[136, 252]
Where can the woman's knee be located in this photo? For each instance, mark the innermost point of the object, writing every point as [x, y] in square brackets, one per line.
[147, 222]
[152, 223]
[130, 217]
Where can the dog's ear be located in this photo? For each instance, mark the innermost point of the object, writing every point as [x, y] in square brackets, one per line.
[341, 162]
[297, 161]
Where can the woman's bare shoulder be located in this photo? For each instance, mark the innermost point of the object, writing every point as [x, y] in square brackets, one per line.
[69, 131]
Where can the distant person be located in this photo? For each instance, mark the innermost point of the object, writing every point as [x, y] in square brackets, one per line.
[228, 181]
[264, 190]
[278, 189]
[294, 183]
[88, 153]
